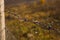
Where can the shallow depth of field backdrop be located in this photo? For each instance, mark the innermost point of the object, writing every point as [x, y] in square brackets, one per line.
[32, 19]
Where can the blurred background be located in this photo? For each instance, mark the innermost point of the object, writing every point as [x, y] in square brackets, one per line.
[32, 19]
